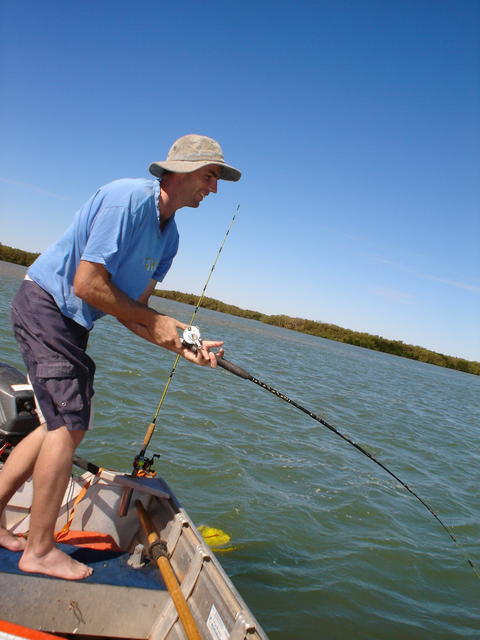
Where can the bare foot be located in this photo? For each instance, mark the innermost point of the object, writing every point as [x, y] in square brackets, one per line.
[11, 542]
[54, 563]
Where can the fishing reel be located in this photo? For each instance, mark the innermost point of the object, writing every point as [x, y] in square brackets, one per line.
[192, 338]
[143, 465]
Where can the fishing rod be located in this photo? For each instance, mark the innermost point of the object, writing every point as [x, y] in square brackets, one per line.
[241, 373]
[191, 339]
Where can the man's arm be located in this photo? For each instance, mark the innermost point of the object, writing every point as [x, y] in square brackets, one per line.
[93, 284]
[135, 327]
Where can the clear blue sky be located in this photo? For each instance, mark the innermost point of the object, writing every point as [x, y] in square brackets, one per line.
[355, 123]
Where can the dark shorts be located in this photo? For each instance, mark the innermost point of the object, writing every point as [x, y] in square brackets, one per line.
[53, 348]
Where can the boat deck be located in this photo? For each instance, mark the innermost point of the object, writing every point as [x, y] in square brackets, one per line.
[109, 567]
[119, 601]
[99, 605]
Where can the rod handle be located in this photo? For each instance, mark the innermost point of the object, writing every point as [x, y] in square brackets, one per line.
[233, 368]
[148, 434]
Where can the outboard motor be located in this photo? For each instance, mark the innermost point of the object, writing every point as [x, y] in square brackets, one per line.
[18, 416]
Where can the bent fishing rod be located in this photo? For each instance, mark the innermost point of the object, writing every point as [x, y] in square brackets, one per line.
[191, 339]
[241, 373]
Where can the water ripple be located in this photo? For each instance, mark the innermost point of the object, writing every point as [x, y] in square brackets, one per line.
[327, 544]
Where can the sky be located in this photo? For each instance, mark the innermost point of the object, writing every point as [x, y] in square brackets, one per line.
[355, 123]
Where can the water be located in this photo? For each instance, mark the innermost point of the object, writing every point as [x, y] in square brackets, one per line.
[328, 545]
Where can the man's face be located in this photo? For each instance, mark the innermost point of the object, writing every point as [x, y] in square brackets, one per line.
[195, 186]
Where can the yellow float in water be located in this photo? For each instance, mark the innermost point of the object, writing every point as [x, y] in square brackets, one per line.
[216, 538]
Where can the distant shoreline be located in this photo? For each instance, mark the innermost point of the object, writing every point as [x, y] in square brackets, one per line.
[332, 332]
[17, 256]
[311, 327]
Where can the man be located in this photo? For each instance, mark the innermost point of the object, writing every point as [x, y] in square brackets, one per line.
[121, 243]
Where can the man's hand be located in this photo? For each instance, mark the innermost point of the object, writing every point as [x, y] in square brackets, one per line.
[93, 284]
[204, 357]
[164, 334]
[162, 331]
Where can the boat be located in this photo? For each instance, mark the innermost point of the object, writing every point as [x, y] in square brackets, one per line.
[154, 575]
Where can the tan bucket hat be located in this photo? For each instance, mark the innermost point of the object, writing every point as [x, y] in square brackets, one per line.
[191, 152]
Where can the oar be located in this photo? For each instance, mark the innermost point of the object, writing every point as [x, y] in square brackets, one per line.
[241, 373]
[158, 551]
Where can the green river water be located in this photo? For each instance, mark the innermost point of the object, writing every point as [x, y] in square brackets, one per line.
[328, 546]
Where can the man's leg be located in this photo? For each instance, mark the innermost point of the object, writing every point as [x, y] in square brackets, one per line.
[50, 480]
[18, 469]
[53, 348]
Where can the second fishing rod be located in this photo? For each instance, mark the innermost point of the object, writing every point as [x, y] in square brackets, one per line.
[142, 465]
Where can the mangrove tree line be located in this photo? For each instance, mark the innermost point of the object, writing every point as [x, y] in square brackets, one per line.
[332, 332]
[312, 327]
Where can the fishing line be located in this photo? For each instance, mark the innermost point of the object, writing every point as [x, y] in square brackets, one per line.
[241, 373]
[152, 425]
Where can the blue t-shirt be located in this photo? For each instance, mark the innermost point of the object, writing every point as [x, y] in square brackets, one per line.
[119, 228]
